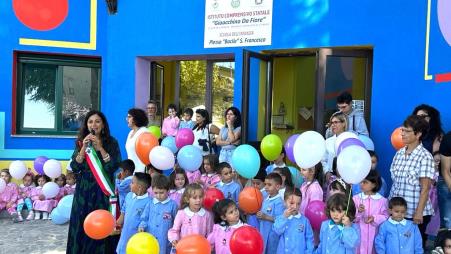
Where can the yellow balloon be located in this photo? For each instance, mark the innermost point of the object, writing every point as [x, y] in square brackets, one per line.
[142, 243]
[155, 130]
[271, 147]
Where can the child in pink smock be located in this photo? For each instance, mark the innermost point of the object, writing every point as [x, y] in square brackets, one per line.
[178, 181]
[210, 178]
[41, 204]
[227, 219]
[25, 190]
[61, 181]
[372, 211]
[10, 194]
[171, 122]
[194, 176]
[191, 218]
[311, 187]
[71, 184]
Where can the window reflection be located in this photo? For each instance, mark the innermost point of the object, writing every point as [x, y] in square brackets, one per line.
[223, 84]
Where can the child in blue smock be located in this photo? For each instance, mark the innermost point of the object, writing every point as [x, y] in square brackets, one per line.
[398, 235]
[135, 202]
[339, 235]
[186, 119]
[258, 182]
[124, 179]
[227, 185]
[158, 216]
[296, 234]
[271, 208]
[279, 162]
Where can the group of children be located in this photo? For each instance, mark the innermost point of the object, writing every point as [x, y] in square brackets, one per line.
[30, 195]
[172, 123]
[171, 207]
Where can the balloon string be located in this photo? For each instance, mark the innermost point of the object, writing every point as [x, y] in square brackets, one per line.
[349, 199]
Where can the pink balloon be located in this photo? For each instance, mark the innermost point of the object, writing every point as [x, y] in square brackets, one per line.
[316, 213]
[184, 137]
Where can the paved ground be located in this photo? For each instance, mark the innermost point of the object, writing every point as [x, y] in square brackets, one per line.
[32, 237]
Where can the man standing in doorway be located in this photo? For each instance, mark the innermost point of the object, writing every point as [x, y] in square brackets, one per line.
[356, 121]
[152, 109]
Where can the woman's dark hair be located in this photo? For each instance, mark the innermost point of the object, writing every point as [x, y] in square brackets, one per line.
[334, 167]
[220, 209]
[139, 117]
[236, 112]
[287, 174]
[205, 115]
[47, 179]
[435, 123]
[373, 154]
[374, 177]
[174, 174]
[339, 201]
[418, 125]
[84, 130]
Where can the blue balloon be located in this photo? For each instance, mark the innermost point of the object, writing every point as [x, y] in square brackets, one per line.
[189, 158]
[296, 176]
[246, 161]
[57, 218]
[369, 145]
[65, 206]
[169, 142]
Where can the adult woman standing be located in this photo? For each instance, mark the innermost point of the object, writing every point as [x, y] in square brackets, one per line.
[434, 134]
[229, 135]
[137, 121]
[203, 131]
[88, 195]
[412, 171]
[338, 124]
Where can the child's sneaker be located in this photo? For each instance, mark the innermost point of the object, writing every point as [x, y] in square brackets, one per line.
[30, 215]
[45, 215]
[37, 215]
[17, 217]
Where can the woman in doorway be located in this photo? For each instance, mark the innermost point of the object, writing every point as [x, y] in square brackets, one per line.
[137, 122]
[229, 135]
[204, 132]
[94, 134]
[338, 124]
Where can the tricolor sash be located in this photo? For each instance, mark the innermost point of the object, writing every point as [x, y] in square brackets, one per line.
[101, 177]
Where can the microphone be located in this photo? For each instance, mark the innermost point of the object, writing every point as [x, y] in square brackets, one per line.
[93, 133]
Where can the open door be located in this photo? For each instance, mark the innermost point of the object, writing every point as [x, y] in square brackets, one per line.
[256, 96]
[157, 85]
[342, 70]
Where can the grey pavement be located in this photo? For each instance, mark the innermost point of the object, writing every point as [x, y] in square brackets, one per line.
[32, 237]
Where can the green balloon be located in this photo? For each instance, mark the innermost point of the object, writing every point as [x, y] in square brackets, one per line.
[271, 147]
[155, 130]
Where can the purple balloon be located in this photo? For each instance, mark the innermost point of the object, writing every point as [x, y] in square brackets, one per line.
[349, 142]
[289, 147]
[316, 213]
[184, 137]
[39, 164]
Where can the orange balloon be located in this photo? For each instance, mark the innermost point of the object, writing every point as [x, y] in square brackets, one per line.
[250, 200]
[99, 224]
[144, 143]
[396, 139]
[193, 244]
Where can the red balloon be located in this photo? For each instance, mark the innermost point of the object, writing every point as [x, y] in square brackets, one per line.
[250, 200]
[99, 224]
[193, 244]
[184, 137]
[145, 142]
[212, 195]
[396, 139]
[246, 239]
[316, 213]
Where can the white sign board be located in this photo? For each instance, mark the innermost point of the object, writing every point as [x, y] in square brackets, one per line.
[237, 23]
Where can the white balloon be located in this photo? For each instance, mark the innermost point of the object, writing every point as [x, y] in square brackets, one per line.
[2, 185]
[50, 190]
[162, 158]
[354, 164]
[330, 144]
[17, 169]
[343, 136]
[309, 149]
[52, 168]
